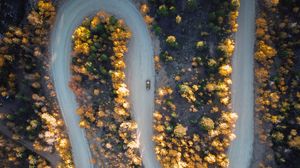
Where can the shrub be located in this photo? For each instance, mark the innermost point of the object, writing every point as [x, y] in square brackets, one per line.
[171, 41]
[163, 10]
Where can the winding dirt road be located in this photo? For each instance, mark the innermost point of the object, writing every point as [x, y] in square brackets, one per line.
[140, 67]
[240, 151]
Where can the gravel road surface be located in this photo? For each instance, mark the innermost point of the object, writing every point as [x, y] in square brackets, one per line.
[240, 151]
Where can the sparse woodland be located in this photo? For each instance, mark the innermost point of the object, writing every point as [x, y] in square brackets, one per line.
[26, 89]
[193, 120]
[14, 155]
[277, 58]
[98, 81]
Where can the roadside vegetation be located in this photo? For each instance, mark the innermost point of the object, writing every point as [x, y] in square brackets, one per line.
[98, 80]
[193, 120]
[277, 74]
[28, 101]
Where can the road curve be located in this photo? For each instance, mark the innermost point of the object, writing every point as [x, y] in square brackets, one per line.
[240, 151]
[140, 66]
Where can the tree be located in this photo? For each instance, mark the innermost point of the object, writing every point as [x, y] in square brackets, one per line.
[210, 158]
[264, 51]
[278, 136]
[95, 22]
[200, 44]
[262, 74]
[166, 56]
[171, 41]
[207, 123]
[233, 20]
[157, 29]
[227, 46]
[163, 10]
[2, 61]
[82, 33]
[295, 142]
[187, 92]
[225, 70]
[180, 130]
[144, 9]
[178, 19]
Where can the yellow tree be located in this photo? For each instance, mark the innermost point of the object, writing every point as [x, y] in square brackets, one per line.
[264, 51]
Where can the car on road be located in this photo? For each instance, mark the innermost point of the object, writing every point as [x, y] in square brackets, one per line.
[148, 84]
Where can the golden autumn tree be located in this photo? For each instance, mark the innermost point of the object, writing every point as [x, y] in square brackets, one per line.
[264, 51]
